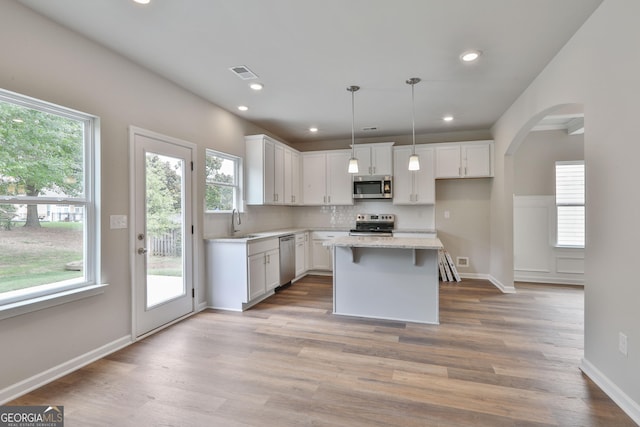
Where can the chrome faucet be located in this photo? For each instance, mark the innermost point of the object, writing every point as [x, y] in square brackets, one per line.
[233, 222]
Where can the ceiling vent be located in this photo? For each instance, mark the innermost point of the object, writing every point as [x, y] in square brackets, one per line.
[243, 72]
[370, 128]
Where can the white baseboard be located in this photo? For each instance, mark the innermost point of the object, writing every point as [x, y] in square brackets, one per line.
[25, 386]
[533, 278]
[201, 306]
[503, 288]
[627, 404]
[495, 282]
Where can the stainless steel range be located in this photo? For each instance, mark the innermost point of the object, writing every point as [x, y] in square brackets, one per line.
[374, 225]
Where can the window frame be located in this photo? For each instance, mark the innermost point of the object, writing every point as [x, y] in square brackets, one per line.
[237, 186]
[47, 295]
[569, 204]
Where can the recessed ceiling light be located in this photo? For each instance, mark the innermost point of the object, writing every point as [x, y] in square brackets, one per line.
[313, 130]
[470, 55]
[256, 86]
[448, 118]
[243, 108]
[142, 1]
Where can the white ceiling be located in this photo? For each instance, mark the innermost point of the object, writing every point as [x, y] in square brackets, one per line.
[306, 53]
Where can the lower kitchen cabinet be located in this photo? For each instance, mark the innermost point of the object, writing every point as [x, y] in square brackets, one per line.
[264, 273]
[241, 273]
[302, 251]
[321, 256]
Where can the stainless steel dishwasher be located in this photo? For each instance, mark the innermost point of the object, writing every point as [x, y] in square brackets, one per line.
[287, 259]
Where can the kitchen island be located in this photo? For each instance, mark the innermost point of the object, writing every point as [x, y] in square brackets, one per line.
[394, 278]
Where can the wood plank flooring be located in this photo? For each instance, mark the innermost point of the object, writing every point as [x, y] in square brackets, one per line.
[495, 360]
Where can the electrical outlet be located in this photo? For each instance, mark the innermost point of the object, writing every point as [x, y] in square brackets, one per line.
[622, 343]
[118, 221]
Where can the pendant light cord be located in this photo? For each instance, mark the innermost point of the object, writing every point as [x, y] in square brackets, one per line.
[413, 116]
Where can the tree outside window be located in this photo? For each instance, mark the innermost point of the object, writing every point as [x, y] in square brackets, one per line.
[223, 182]
[47, 199]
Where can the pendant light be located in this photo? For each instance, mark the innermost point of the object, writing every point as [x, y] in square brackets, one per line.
[414, 160]
[353, 162]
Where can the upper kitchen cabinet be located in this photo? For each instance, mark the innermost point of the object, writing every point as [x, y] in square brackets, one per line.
[413, 187]
[273, 172]
[291, 177]
[325, 180]
[464, 160]
[374, 159]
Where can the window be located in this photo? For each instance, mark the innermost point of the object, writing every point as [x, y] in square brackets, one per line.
[570, 203]
[223, 174]
[48, 215]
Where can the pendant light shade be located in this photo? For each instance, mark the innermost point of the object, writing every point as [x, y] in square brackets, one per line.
[414, 160]
[353, 162]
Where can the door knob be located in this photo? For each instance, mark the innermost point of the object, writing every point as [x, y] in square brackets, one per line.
[142, 251]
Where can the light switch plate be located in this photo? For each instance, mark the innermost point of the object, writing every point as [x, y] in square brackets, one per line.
[118, 221]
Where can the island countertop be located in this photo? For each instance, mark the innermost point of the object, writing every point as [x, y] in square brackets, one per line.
[385, 242]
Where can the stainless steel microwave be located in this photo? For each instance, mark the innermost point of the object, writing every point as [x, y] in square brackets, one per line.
[372, 187]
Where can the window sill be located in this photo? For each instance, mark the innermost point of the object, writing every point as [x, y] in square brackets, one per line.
[568, 247]
[47, 301]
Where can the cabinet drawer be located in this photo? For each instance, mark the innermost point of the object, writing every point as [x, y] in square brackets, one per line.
[262, 246]
[323, 235]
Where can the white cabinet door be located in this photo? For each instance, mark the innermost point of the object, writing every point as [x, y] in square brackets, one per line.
[363, 154]
[257, 276]
[295, 178]
[448, 161]
[287, 197]
[374, 159]
[339, 180]
[403, 188]
[301, 255]
[314, 187]
[382, 159]
[268, 174]
[476, 159]
[272, 269]
[424, 179]
[278, 175]
[413, 187]
[321, 255]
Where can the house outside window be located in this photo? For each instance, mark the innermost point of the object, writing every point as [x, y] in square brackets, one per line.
[223, 182]
[570, 202]
[48, 198]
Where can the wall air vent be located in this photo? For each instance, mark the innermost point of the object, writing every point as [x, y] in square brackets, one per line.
[370, 128]
[243, 72]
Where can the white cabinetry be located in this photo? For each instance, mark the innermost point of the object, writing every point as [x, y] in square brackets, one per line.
[321, 256]
[325, 179]
[302, 243]
[413, 187]
[464, 160]
[272, 173]
[241, 273]
[291, 177]
[374, 159]
[264, 271]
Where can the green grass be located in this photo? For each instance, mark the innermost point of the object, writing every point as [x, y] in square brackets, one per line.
[32, 257]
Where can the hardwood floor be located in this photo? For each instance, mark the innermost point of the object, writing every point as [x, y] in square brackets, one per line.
[495, 360]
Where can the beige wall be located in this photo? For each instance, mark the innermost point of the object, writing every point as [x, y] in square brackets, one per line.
[42, 60]
[466, 232]
[534, 162]
[596, 70]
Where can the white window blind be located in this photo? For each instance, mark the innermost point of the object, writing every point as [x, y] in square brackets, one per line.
[570, 203]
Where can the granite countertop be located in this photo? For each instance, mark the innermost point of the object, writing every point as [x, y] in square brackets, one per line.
[245, 237]
[386, 242]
